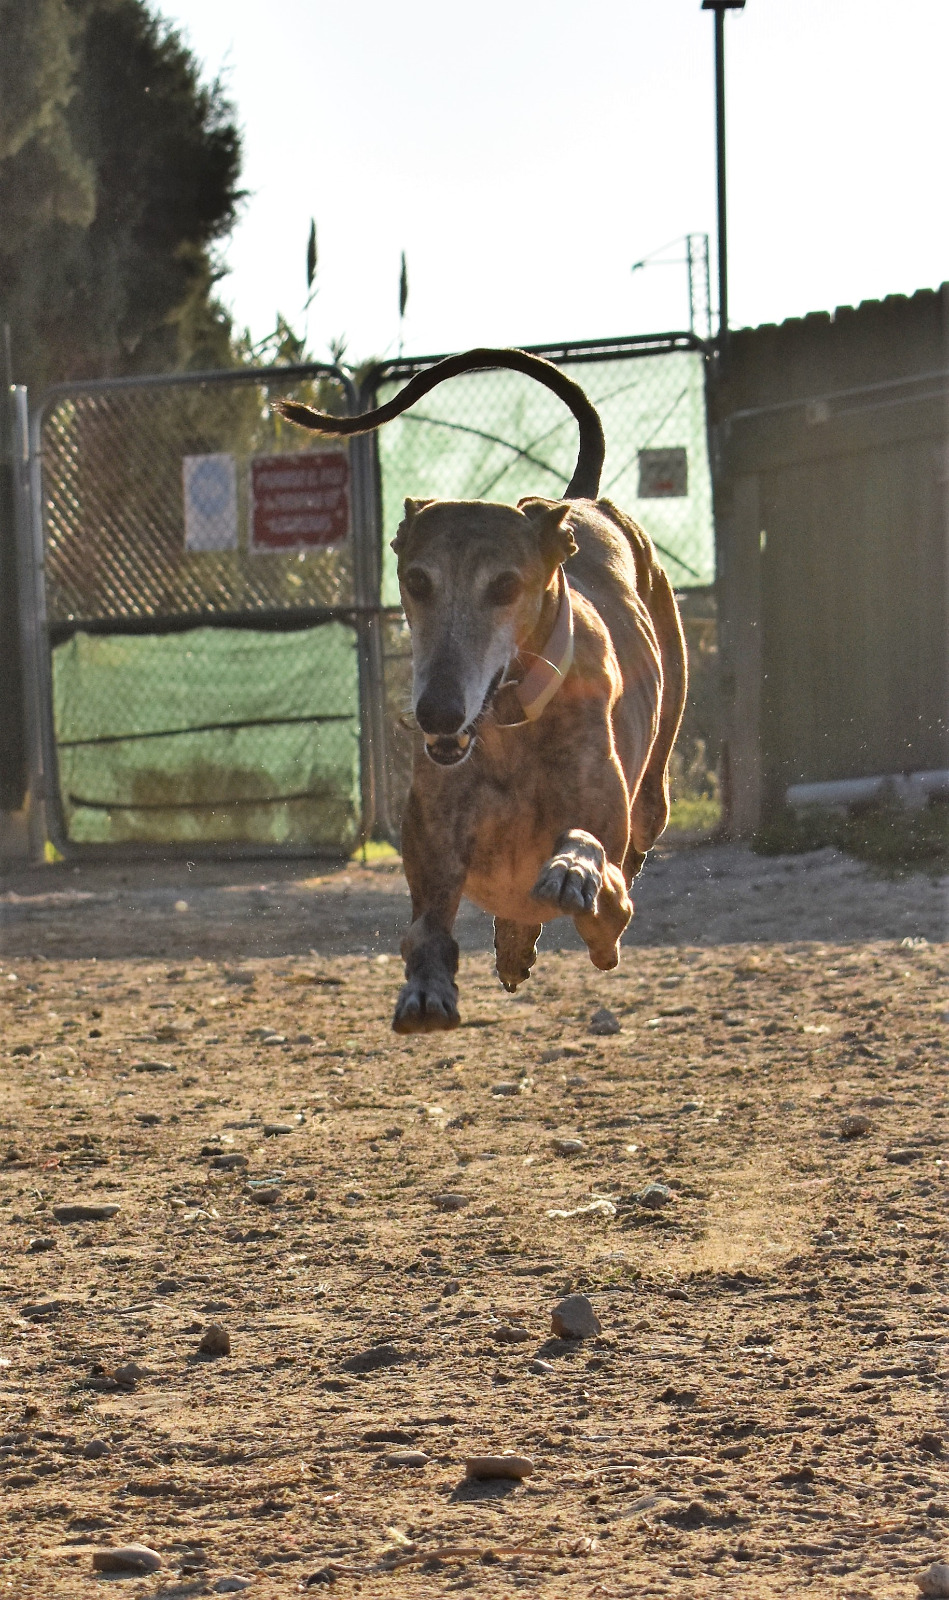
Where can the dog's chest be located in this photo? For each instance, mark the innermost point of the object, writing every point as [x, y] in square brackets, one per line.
[511, 844]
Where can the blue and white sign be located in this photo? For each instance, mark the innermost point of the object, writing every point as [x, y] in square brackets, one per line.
[210, 494]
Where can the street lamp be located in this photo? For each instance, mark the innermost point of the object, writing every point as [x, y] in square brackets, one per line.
[720, 7]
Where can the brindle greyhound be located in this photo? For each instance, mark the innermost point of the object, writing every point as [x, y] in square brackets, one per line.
[547, 705]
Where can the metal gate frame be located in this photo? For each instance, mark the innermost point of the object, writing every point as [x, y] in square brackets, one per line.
[46, 822]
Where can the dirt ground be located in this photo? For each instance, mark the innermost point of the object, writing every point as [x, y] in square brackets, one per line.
[763, 1412]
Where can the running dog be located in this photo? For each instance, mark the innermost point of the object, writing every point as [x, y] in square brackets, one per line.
[547, 702]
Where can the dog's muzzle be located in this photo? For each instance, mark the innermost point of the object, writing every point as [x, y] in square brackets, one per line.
[447, 749]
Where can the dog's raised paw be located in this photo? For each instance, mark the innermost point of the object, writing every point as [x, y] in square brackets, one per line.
[426, 1005]
[569, 883]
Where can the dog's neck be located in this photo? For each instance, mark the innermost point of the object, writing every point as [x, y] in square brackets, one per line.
[536, 642]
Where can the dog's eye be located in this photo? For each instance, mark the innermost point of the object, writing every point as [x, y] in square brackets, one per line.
[417, 584]
[504, 589]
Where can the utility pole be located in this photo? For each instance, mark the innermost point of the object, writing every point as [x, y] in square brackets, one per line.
[720, 7]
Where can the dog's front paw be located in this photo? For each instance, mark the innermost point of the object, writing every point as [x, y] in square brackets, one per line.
[426, 1005]
[569, 881]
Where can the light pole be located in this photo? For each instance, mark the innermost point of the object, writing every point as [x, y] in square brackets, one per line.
[720, 7]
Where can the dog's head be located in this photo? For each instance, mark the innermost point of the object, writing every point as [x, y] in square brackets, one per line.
[473, 578]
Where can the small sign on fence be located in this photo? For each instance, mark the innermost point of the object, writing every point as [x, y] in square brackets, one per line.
[210, 495]
[300, 501]
[663, 473]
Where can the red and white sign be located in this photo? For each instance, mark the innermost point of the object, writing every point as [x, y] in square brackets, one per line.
[300, 501]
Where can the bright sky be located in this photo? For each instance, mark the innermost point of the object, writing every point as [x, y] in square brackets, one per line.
[524, 153]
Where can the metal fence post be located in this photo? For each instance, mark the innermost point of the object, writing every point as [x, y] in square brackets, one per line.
[29, 574]
[372, 669]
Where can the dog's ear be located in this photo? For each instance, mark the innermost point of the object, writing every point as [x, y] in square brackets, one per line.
[554, 533]
[412, 509]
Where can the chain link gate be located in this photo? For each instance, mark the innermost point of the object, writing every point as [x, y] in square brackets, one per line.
[215, 653]
[196, 600]
[499, 435]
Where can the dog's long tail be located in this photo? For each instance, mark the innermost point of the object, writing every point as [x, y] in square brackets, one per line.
[586, 477]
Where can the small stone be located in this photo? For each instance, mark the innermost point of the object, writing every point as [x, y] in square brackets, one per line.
[451, 1201]
[215, 1341]
[354, 1197]
[153, 1066]
[603, 1023]
[931, 1443]
[268, 1195]
[505, 1090]
[934, 1582]
[130, 1372]
[545, 1368]
[303, 1038]
[233, 1583]
[127, 1558]
[380, 1355]
[575, 1318]
[855, 1127]
[272, 1130]
[451, 1286]
[505, 1466]
[654, 1196]
[406, 1458]
[41, 1243]
[79, 1212]
[567, 1147]
[274, 1038]
[167, 1286]
[148, 1119]
[242, 977]
[96, 1448]
[510, 1333]
[904, 1155]
[229, 1162]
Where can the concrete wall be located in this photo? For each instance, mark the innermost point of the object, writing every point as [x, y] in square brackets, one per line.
[831, 459]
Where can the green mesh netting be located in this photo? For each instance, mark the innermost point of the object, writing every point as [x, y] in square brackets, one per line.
[500, 436]
[289, 777]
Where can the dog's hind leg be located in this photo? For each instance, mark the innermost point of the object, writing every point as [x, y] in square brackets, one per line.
[515, 945]
[583, 883]
[601, 929]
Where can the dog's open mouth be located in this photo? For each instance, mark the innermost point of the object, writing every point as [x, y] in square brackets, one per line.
[446, 750]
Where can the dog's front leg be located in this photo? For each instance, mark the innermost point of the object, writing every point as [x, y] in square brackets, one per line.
[435, 868]
[583, 883]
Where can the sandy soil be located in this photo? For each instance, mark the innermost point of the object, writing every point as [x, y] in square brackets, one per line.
[763, 1413]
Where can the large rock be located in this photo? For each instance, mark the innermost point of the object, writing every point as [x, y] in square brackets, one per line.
[575, 1318]
[934, 1582]
[127, 1558]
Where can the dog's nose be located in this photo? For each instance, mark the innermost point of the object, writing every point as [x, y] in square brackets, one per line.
[439, 712]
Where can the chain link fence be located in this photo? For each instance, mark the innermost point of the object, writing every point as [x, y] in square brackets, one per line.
[202, 602]
[500, 436]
